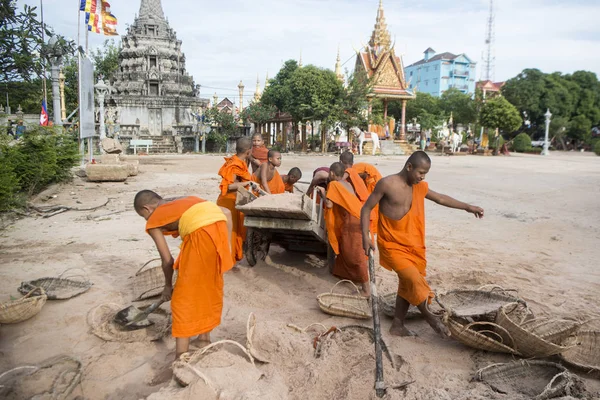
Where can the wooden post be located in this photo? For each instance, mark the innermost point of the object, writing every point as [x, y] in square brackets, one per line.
[379, 383]
[403, 126]
[304, 148]
[385, 110]
[323, 138]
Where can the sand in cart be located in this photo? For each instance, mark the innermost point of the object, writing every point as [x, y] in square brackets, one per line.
[277, 202]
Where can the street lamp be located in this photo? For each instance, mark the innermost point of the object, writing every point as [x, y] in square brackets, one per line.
[101, 91]
[548, 114]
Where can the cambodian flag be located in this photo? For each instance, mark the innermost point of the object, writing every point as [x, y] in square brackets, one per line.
[44, 114]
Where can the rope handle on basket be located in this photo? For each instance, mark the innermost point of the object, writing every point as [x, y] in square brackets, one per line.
[437, 314]
[188, 357]
[550, 384]
[347, 305]
[492, 287]
[303, 330]
[345, 280]
[512, 346]
[35, 289]
[514, 307]
[83, 275]
[144, 266]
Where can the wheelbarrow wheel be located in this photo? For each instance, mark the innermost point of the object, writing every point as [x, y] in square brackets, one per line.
[257, 247]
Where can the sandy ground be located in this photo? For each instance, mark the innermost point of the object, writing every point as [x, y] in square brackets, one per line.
[540, 235]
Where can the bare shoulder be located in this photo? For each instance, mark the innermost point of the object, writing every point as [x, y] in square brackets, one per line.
[389, 182]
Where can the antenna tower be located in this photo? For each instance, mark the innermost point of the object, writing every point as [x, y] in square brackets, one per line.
[490, 38]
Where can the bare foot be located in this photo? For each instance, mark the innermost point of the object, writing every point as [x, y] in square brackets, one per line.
[400, 330]
[199, 344]
[437, 325]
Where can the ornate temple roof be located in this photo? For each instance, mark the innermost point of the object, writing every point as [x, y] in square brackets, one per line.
[380, 62]
[151, 62]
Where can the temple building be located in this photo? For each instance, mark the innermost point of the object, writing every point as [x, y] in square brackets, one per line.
[380, 62]
[154, 95]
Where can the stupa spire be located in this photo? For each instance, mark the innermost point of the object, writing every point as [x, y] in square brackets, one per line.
[338, 67]
[380, 39]
[151, 9]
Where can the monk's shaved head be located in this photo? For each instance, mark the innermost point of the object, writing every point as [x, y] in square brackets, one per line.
[144, 198]
[257, 136]
[273, 153]
[338, 169]
[243, 145]
[418, 158]
[347, 158]
[295, 172]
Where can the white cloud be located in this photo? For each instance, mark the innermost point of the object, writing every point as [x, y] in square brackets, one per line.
[237, 39]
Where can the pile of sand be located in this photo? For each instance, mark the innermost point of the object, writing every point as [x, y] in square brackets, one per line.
[283, 202]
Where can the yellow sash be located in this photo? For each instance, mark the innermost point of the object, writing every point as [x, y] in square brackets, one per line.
[198, 216]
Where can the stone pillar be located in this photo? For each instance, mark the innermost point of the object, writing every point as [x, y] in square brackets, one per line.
[323, 138]
[101, 91]
[54, 74]
[403, 122]
[63, 108]
[241, 88]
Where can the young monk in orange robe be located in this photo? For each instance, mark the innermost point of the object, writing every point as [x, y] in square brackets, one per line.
[401, 235]
[259, 153]
[204, 228]
[370, 176]
[347, 159]
[267, 175]
[343, 229]
[291, 178]
[234, 174]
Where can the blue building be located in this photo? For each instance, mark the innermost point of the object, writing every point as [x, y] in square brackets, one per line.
[436, 73]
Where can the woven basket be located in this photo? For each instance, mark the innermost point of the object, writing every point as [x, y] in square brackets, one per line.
[14, 311]
[481, 305]
[345, 305]
[250, 326]
[484, 339]
[532, 379]
[100, 319]
[61, 288]
[529, 343]
[149, 282]
[586, 354]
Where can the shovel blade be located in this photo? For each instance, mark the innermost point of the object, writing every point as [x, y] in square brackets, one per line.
[132, 318]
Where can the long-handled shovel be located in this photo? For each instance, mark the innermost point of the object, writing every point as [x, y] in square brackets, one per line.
[379, 384]
[132, 318]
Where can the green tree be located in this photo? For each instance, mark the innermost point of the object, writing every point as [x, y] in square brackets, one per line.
[106, 60]
[580, 128]
[498, 113]
[525, 92]
[521, 143]
[278, 93]
[351, 110]
[557, 131]
[460, 104]
[259, 113]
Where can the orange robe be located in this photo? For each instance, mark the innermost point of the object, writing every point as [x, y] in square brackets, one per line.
[344, 234]
[401, 245]
[197, 301]
[276, 185]
[234, 166]
[373, 176]
[259, 153]
[358, 184]
[289, 187]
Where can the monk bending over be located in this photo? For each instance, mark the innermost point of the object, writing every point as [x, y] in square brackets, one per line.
[234, 174]
[352, 176]
[204, 228]
[320, 179]
[291, 178]
[343, 229]
[259, 153]
[267, 175]
[401, 235]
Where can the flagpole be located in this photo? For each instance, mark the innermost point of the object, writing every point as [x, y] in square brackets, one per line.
[44, 87]
[81, 142]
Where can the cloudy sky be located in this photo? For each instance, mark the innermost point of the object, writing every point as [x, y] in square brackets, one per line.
[233, 40]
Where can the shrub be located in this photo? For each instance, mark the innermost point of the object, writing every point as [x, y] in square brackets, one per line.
[597, 147]
[492, 144]
[522, 143]
[43, 156]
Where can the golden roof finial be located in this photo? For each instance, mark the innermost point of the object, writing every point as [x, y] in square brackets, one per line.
[380, 39]
[257, 92]
[300, 61]
[267, 80]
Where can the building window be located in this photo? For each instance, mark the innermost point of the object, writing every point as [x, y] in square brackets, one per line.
[152, 31]
[435, 68]
[411, 73]
[153, 88]
[426, 69]
[435, 81]
[426, 83]
[153, 62]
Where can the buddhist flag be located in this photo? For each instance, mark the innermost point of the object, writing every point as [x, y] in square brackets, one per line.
[109, 21]
[92, 21]
[44, 114]
[88, 6]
